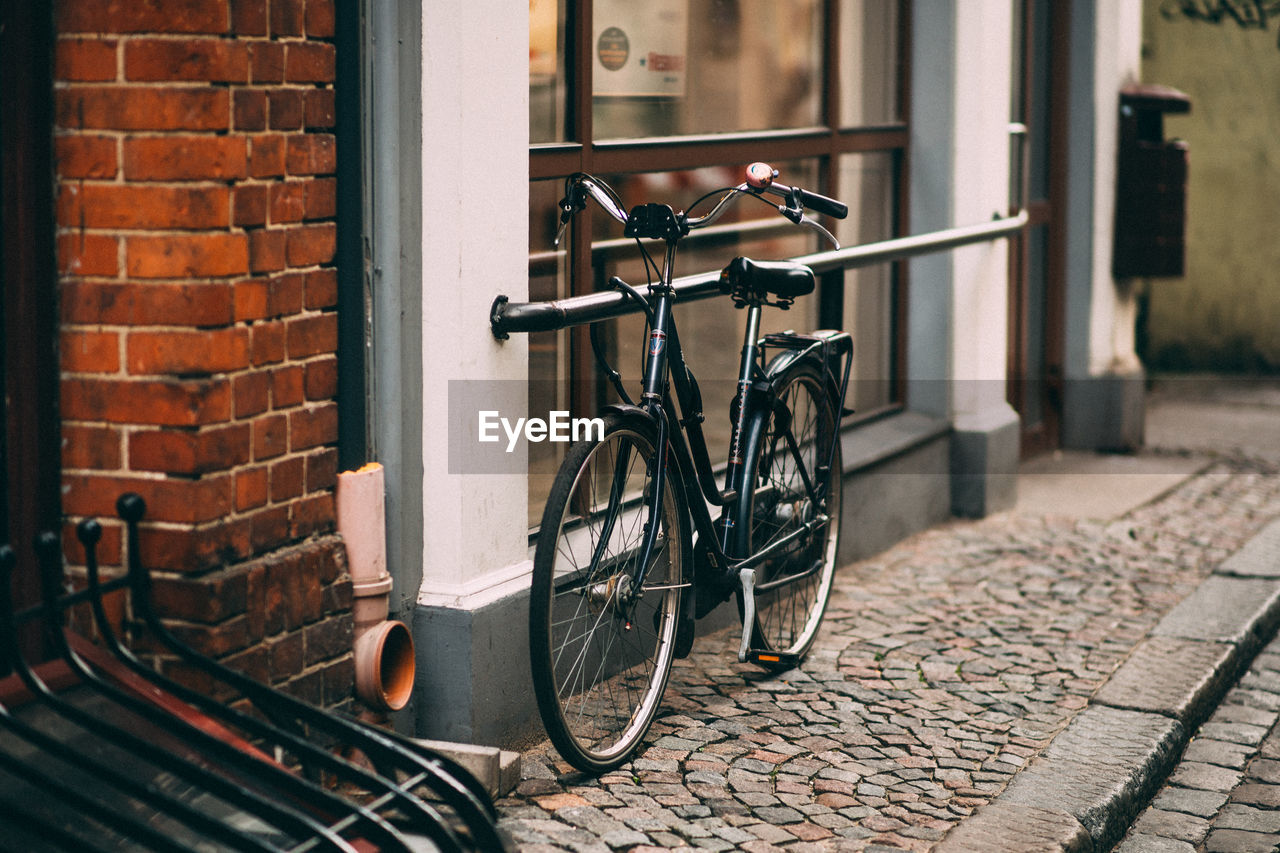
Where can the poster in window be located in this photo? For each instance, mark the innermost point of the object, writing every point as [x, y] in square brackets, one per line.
[640, 49]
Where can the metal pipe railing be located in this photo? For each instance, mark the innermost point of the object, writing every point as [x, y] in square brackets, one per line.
[506, 317]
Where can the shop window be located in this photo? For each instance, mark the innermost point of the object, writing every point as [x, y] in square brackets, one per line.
[670, 98]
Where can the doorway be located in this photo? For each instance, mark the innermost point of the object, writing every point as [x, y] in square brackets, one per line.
[30, 453]
[1037, 256]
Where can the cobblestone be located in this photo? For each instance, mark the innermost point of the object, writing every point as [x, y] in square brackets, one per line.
[945, 668]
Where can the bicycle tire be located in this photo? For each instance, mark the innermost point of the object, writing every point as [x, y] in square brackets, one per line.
[600, 663]
[775, 502]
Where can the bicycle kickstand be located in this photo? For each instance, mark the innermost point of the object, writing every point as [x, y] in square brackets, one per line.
[746, 654]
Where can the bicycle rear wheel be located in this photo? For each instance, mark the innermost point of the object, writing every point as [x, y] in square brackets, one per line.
[601, 653]
[793, 456]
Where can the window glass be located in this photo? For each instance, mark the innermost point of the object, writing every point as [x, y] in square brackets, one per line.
[867, 183]
[548, 92]
[548, 351]
[868, 62]
[682, 67]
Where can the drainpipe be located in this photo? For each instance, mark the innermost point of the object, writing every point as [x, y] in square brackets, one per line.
[384, 658]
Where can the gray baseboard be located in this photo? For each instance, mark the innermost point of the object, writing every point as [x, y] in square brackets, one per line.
[984, 463]
[1104, 412]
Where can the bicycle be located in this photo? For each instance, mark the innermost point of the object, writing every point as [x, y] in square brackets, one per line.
[628, 556]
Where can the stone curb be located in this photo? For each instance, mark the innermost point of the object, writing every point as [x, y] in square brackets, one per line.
[1082, 792]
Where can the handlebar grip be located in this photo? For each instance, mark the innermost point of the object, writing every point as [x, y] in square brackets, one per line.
[823, 204]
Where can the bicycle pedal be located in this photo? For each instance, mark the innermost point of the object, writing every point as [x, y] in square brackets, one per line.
[773, 660]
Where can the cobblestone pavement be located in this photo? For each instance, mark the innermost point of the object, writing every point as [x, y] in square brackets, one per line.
[945, 663]
[1224, 796]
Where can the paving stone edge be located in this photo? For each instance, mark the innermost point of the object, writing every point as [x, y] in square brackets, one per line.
[1082, 792]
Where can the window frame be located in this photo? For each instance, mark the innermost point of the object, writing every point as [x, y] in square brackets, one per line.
[825, 144]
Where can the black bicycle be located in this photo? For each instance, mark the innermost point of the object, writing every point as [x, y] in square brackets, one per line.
[628, 555]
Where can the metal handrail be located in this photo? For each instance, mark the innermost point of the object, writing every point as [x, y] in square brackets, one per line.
[506, 317]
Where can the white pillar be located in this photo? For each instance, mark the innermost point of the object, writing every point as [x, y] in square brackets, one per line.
[475, 190]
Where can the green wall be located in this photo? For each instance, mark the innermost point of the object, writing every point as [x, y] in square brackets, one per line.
[1225, 313]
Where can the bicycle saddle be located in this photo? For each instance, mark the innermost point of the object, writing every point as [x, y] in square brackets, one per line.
[785, 279]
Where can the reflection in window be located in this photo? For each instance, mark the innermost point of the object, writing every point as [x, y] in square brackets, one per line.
[868, 62]
[675, 68]
[548, 92]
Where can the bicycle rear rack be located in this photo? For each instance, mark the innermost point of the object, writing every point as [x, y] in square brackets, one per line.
[98, 750]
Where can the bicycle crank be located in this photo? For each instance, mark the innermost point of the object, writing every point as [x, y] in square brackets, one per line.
[746, 654]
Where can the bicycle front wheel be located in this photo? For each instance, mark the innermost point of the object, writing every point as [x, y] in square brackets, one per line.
[600, 648]
[793, 472]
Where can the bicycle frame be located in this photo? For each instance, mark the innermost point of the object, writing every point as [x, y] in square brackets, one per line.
[665, 358]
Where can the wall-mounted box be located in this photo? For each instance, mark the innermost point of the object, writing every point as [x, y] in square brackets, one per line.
[1151, 186]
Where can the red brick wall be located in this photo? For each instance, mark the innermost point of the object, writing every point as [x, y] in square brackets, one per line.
[196, 203]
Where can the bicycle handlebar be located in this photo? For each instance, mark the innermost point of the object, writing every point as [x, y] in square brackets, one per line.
[760, 180]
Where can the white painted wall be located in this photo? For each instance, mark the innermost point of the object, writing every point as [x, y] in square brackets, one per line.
[475, 190]
[1117, 55]
[984, 33]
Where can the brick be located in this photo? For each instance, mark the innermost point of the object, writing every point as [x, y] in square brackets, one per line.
[88, 254]
[94, 205]
[339, 678]
[161, 403]
[249, 205]
[249, 17]
[312, 515]
[85, 60]
[83, 351]
[312, 244]
[288, 201]
[329, 639]
[309, 62]
[321, 381]
[185, 158]
[287, 478]
[196, 548]
[286, 656]
[251, 299]
[270, 437]
[321, 289]
[320, 18]
[202, 60]
[249, 109]
[311, 154]
[209, 598]
[180, 501]
[267, 157]
[142, 108]
[268, 342]
[286, 294]
[251, 394]
[316, 334]
[313, 426]
[322, 470]
[284, 573]
[286, 109]
[91, 446]
[140, 16]
[287, 17]
[319, 109]
[215, 640]
[187, 255]
[322, 198]
[286, 386]
[267, 62]
[267, 250]
[191, 453]
[144, 304]
[85, 155]
[251, 488]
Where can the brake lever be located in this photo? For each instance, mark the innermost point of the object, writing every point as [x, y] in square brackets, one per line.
[816, 226]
